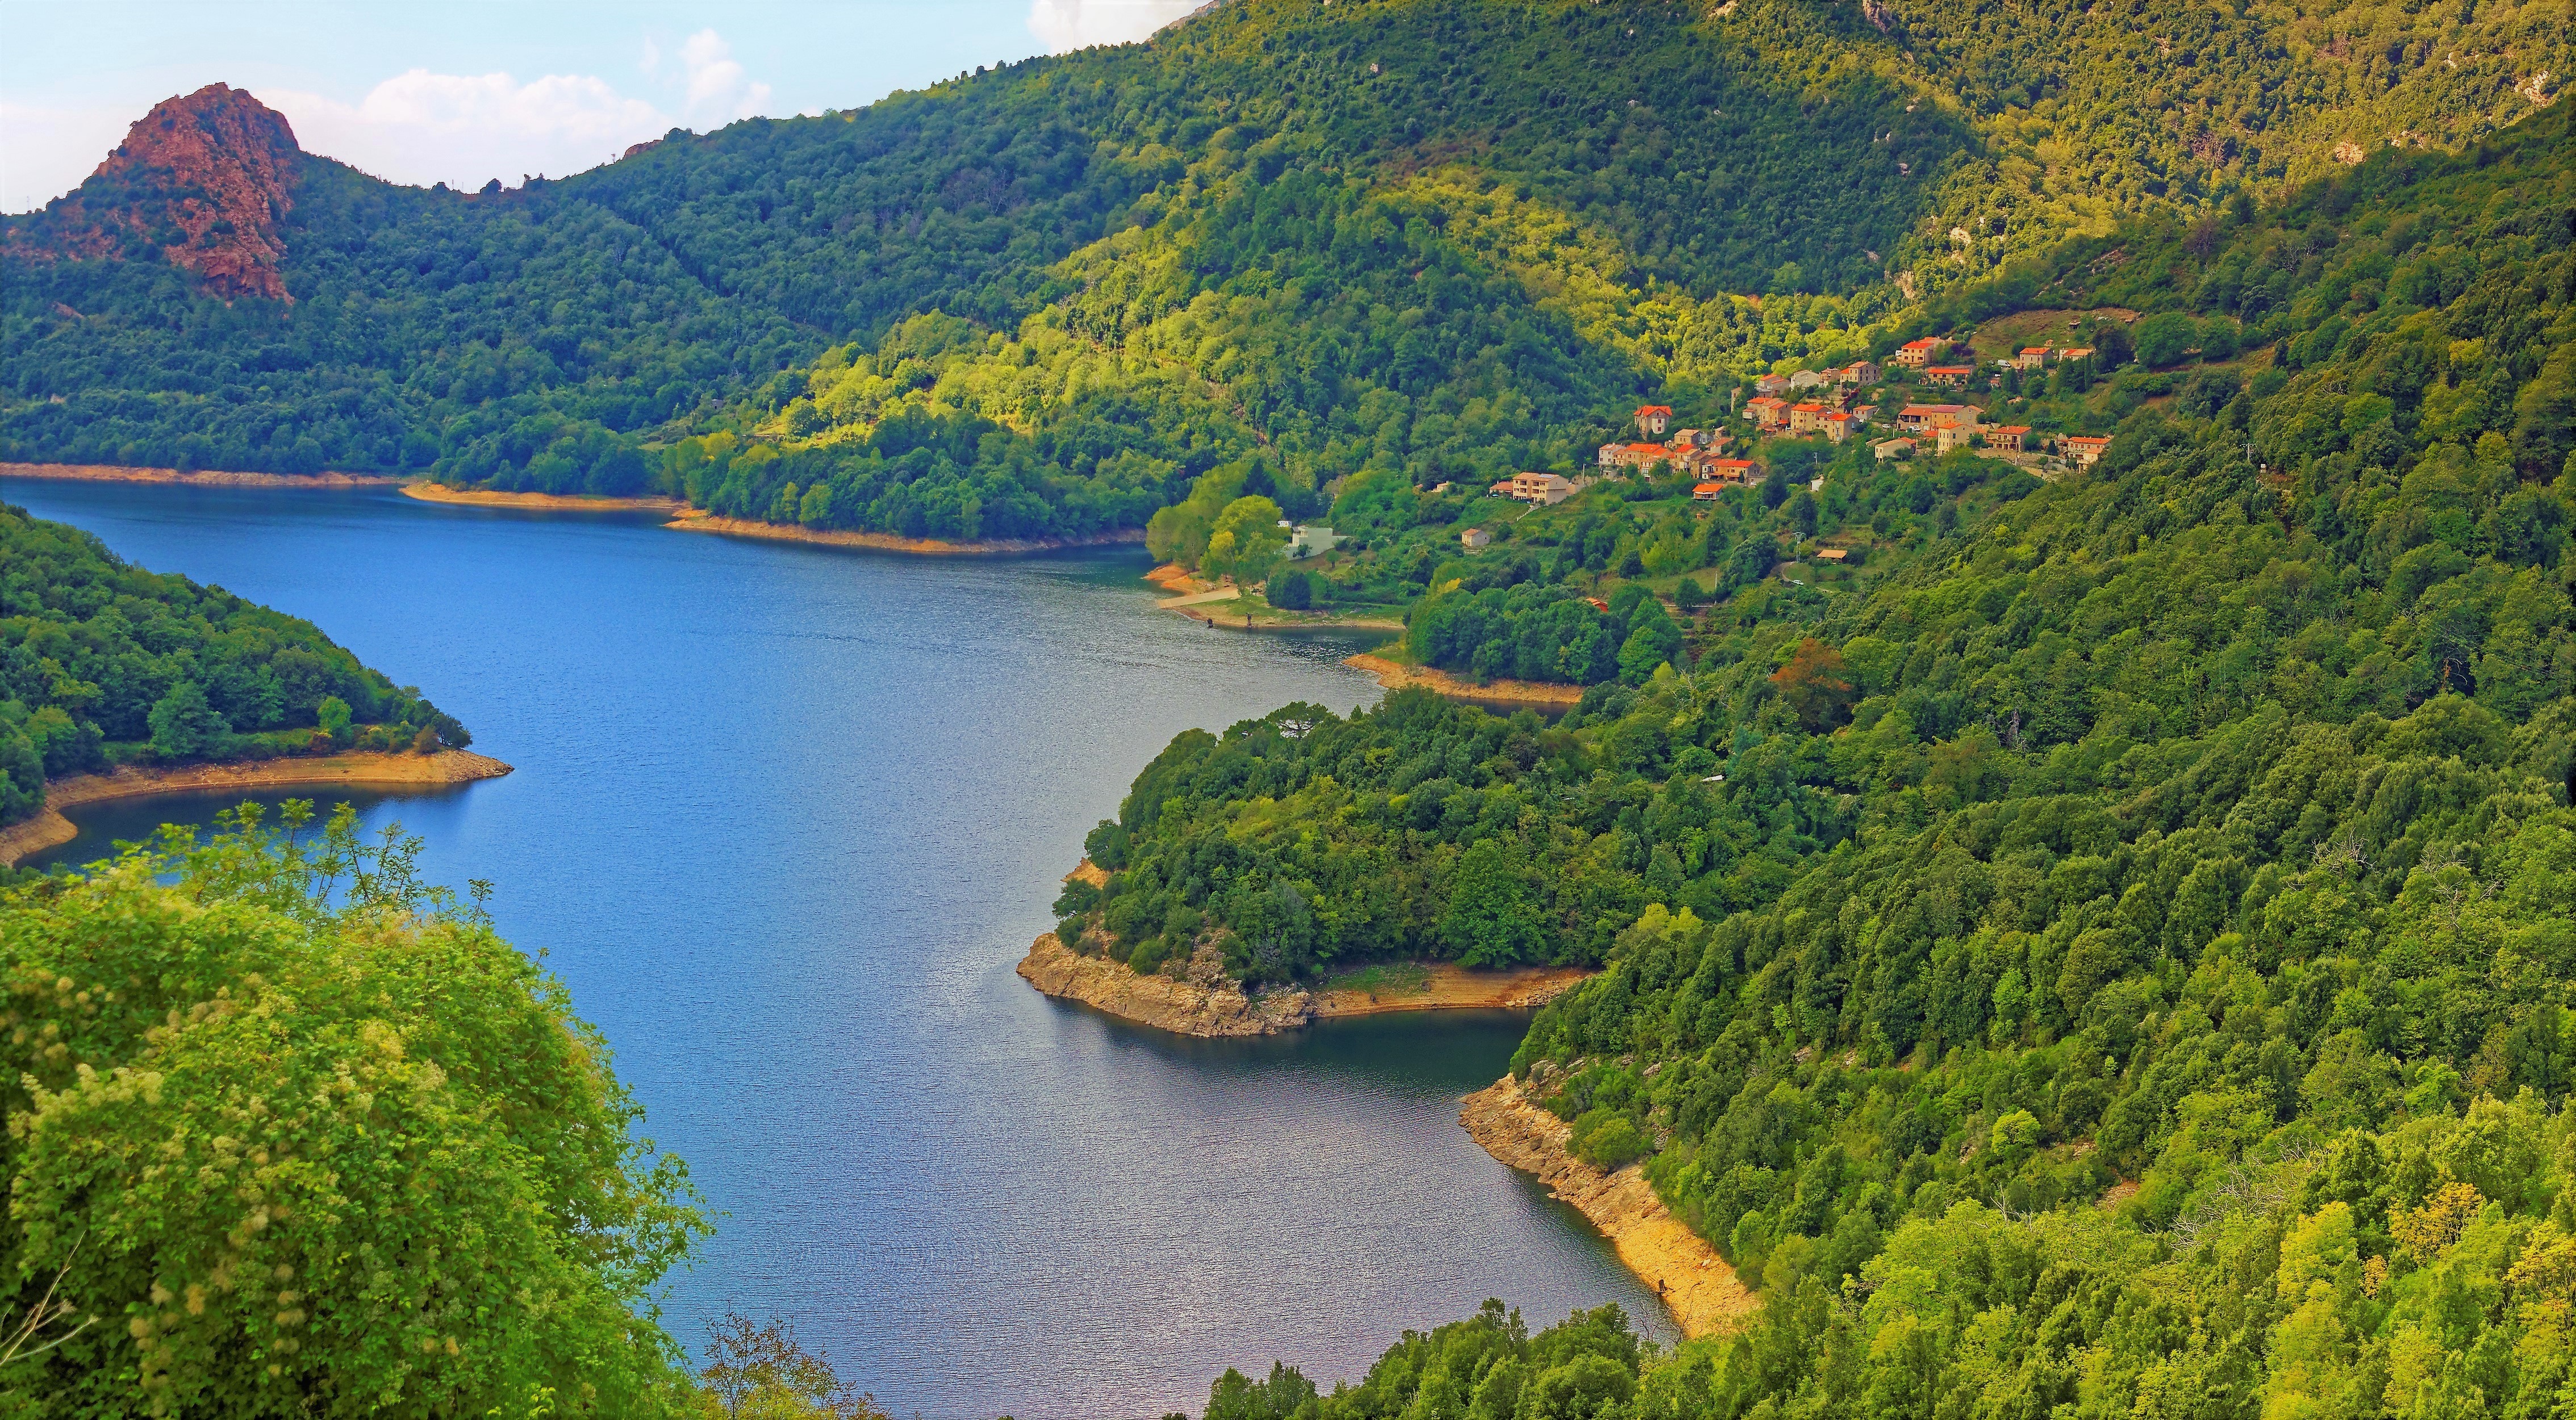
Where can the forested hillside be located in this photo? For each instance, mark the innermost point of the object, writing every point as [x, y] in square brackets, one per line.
[2119, 961]
[1426, 238]
[102, 662]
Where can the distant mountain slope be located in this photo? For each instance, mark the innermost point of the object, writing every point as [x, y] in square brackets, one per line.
[1232, 229]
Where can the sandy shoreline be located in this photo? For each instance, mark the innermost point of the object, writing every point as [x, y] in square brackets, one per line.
[538, 502]
[1205, 1002]
[1697, 1285]
[1395, 675]
[203, 478]
[49, 829]
[692, 521]
[1206, 601]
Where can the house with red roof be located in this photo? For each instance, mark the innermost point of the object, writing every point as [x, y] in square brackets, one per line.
[1652, 419]
[1915, 354]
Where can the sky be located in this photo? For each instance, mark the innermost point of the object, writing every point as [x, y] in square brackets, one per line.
[461, 91]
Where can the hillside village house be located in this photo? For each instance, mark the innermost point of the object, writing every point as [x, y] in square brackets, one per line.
[1858, 372]
[1474, 538]
[1619, 456]
[1915, 354]
[1807, 418]
[1771, 384]
[1543, 488]
[1921, 419]
[2031, 357]
[2008, 436]
[1722, 475]
[1768, 411]
[1652, 418]
[1892, 449]
[1809, 379]
[1952, 375]
[1838, 426]
[2084, 450]
[2075, 352]
[1953, 436]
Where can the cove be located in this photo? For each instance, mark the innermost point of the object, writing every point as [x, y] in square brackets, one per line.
[784, 819]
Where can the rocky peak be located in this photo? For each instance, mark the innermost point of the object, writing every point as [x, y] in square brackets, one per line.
[207, 178]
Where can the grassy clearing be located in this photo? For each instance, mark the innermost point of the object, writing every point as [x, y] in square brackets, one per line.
[1397, 978]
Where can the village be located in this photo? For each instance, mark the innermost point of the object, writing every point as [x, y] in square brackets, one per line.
[1835, 404]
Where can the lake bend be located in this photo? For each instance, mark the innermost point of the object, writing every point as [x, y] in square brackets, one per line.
[783, 820]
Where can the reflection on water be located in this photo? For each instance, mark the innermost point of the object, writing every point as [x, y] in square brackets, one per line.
[784, 818]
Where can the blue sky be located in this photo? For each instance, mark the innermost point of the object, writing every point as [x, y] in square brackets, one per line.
[464, 90]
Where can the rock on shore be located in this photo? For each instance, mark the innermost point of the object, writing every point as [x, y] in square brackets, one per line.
[1205, 1002]
[1697, 1285]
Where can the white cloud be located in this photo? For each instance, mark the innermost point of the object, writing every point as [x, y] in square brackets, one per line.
[719, 90]
[420, 127]
[1063, 25]
[45, 152]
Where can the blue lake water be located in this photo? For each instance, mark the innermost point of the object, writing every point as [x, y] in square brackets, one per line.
[784, 819]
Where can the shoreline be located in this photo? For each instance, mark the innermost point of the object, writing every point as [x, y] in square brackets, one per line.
[202, 478]
[1395, 675]
[539, 502]
[1200, 601]
[357, 769]
[1698, 1288]
[1207, 1004]
[690, 520]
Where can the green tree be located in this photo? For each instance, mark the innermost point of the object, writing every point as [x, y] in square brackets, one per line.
[1490, 920]
[333, 716]
[1245, 541]
[759, 1371]
[184, 726]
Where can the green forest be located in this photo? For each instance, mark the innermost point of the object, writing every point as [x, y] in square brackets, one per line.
[1391, 236]
[2117, 958]
[103, 663]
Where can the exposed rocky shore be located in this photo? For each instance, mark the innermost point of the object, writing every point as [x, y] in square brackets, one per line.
[49, 829]
[1204, 1001]
[1697, 1285]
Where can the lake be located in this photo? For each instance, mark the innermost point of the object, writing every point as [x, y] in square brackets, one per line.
[784, 820]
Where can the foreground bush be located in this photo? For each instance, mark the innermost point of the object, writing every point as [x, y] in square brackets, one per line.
[291, 1133]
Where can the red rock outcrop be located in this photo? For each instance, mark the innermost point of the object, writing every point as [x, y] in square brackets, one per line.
[209, 177]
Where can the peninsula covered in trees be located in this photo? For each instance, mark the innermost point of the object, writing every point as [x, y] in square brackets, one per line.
[103, 663]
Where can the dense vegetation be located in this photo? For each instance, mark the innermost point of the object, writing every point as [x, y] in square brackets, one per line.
[1421, 238]
[102, 662]
[2118, 960]
[291, 1133]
